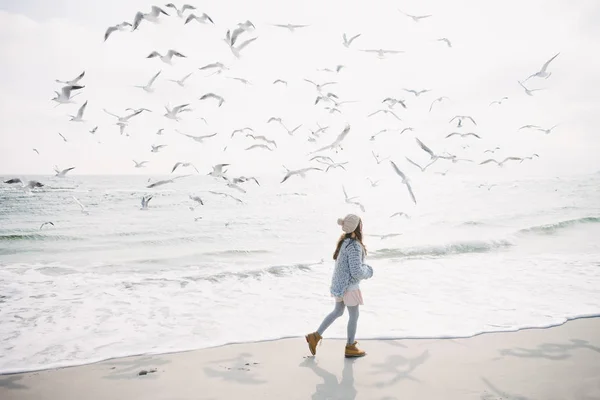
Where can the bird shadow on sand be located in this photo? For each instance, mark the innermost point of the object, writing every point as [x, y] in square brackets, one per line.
[331, 388]
[495, 393]
[551, 351]
[237, 369]
[401, 367]
[129, 368]
[11, 382]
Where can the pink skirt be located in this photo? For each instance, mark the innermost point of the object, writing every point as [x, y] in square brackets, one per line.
[351, 298]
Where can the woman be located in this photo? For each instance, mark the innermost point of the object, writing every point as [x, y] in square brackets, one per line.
[349, 271]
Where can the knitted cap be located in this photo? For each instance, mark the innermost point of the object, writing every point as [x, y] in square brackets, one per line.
[349, 223]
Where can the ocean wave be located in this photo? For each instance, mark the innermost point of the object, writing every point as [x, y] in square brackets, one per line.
[442, 250]
[276, 270]
[234, 252]
[557, 226]
[34, 236]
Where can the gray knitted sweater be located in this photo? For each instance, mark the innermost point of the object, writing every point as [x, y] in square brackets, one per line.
[349, 268]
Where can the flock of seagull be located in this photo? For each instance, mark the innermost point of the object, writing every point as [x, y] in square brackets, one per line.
[236, 39]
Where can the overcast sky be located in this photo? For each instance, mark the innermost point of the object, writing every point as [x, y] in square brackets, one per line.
[494, 45]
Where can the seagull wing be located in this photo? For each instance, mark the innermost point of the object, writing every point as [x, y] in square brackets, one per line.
[151, 81]
[488, 161]
[139, 16]
[400, 173]
[79, 203]
[414, 163]
[110, 30]
[246, 43]
[410, 191]
[545, 66]
[352, 38]
[81, 110]
[176, 166]
[175, 53]
[424, 147]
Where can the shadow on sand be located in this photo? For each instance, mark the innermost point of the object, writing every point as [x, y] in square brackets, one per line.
[401, 368]
[496, 393]
[330, 388]
[551, 351]
[11, 382]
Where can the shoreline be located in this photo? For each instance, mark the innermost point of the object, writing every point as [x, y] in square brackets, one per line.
[405, 338]
[558, 363]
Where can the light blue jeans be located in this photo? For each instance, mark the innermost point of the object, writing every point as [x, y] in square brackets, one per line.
[337, 312]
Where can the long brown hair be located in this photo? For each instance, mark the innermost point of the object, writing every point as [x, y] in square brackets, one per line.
[356, 235]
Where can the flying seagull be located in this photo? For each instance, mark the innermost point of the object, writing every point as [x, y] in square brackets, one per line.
[119, 27]
[202, 19]
[156, 148]
[347, 42]
[220, 67]
[381, 52]
[373, 183]
[499, 102]
[433, 156]
[415, 18]
[417, 93]
[291, 27]
[377, 159]
[350, 200]
[83, 208]
[461, 118]
[417, 165]
[529, 127]
[148, 87]
[165, 181]
[528, 92]
[492, 150]
[300, 172]
[46, 223]
[36, 150]
[174, 112]
[320, 87]
[445, 40]
[197, 199]
[400, 214]
[385, 112]
[125, 119]
[438, 100]
[404, 181]
[79, 116]
[547, 131]
[28, 185]
[501, 163]
[73, 82]
[140, 164]
[152, 16]
[217, 171]
[259, 146]
[219, 99]
[276, 81]
[263, 138]
[226, 195]
[391, 102]
[542, 73]
[61, 174]
[63, 138]
[198, 139]
[463, 135]
[336, 143]
[180, 12]
[94, 129]
[145, 201]
[184, 165]
[167, 58]
[237, 49]
[64, 97]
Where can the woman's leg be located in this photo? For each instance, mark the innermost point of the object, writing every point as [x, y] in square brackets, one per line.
[352, 322]
[337, 312]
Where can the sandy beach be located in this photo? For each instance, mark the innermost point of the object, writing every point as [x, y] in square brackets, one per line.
[557, 363]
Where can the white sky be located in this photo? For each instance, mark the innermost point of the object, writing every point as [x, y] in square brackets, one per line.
[494, 45]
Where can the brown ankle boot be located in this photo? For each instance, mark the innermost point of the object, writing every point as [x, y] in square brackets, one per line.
[313, 339]
[353, 351]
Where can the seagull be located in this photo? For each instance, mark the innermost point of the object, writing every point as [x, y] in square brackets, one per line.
[164, 182]
[338, 68]
[377, 159]
[499, 102]
[381, 52]
[93, 130]
[244, 81]
[529, 127]
[464, 134]
[119, 27]
[243, 179]
[174, 112]
[125, 119]
[417, 165]
[226, 195]
[202, 19]
[347, 42]
[410, 129]
[492, 150]
[145, 201]
[501, 163]
[36, 150]
[46, 223]
[236, 50]
[380, 132]
[148, 87]
[27, 185]
[404, 181]
[197, 199]
[333, 110]
[386, 112]
[183, 8]
[323, 159]
[64, 97]
[291, 131]
[350, 200]
[461, 118]
[530, 157]
[335, 165]
[487, 186]
[152, 16]
[528, 92]
[415, 18]
[73, 82]
[156, 148]
[373, 183]
[542, 72]
[274, 119]
[400, 214]
[445, 40]
[198, 139]
[438, 100]
[260, 137]
[61, 174]
[434, 156]
[79, 116]
[291, 27]
[63, 138]
[184, 164]
[217, 171]
[140, 164]
[391, 102]
[167, 58]
[83, 209]
[388, 235]
[242, 131]
[276, 81]
[547, 131]
[213, 96]
[320, 87]
[236, 187]
[337, 142]
[160, 131]
[219, 66]
[417, 93]
[301, 172]
[259, 146]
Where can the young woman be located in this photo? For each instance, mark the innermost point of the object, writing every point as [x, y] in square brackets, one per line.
[349, 270]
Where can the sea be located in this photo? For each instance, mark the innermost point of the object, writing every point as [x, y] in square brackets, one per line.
[473, 256]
